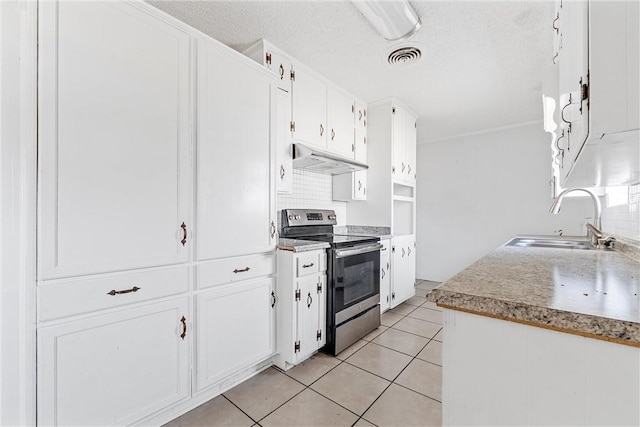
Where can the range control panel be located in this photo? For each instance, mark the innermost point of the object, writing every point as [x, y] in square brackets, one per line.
[305, 217]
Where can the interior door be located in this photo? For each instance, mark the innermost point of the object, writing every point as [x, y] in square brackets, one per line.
[114, 153]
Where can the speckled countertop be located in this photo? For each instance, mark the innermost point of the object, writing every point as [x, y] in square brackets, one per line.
[591, 293]
[296, 245]
[363, 230]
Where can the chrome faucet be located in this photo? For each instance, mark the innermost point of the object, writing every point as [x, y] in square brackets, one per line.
[593, 230]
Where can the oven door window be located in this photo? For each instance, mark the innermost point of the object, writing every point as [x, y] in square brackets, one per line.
[357, 277]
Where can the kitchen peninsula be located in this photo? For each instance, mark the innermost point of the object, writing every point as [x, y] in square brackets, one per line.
[542, 336]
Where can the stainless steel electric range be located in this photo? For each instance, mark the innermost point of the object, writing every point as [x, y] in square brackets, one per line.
[353, 275]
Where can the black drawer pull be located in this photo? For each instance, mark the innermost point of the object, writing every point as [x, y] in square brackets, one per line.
[113, 292]
[307, 265]
[242, 270]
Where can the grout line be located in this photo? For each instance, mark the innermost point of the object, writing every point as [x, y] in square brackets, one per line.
[239, 409]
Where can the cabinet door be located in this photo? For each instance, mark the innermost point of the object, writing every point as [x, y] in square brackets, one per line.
[308, 312]
[280, 65]
[234, 161]
[360, 177]
[340, 107]
[284, 154]
[398, 136]
[573, 73]
[410, 148]
[309, 108]
[321, 294]
[360, 115]
[113, 369]
[385, 275]
[235, 329]
[403, 279]
[114, 174]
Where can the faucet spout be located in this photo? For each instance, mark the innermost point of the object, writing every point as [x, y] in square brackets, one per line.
[597, 212]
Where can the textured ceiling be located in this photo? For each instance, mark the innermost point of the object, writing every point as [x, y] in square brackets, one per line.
[481, 67]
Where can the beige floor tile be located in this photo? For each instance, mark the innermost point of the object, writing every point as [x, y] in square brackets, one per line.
[310, 409]
[428, 284]
[415, 300]
[418, 327]
[422, 292]
[363, 423]
[263, 393]
[380, 360]
[313, 368]
[439, 336]
[371, 335]
[423, 377]
[402, 341]
[351, 387]
[431, 305]
[389, 318]
[433, 316]
[216, 412]
[432, 352]
[347, 352]
[401, 407]
[403, 309]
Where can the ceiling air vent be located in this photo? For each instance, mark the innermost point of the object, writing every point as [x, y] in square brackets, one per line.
[404, 56]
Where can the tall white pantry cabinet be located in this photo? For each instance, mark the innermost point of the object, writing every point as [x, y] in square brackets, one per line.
[391, 185]
[150, 300]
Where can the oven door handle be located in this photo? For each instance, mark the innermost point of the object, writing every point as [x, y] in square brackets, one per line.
[357, 251]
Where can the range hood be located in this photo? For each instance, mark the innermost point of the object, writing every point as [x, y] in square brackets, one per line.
[321, 161]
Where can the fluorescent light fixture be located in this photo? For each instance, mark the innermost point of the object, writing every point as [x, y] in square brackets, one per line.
[394, 19]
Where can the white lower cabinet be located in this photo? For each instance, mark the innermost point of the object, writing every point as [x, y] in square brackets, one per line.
[302, 298]
[385, 275]
[235, 329]
[403, 275]
[114, 369]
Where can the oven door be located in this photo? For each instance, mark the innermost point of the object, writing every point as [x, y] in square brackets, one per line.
[356, 278]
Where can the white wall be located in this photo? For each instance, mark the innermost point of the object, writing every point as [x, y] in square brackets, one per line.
[312, 190]
[476, 192]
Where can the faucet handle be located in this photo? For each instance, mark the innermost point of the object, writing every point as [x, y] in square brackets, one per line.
[606, 242]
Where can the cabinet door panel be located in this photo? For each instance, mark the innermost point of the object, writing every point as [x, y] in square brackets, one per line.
[385, 275]
[340, 122]
[399, 136]
[309, 108]
[284, 148]
[403, 275]
[235, 329]
[113, 139]
[410, 147]
[234, 172]
[113, 369]
[308, 315]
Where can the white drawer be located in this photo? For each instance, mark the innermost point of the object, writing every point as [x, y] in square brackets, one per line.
[227, 270]
[86, 295]
[311, 263]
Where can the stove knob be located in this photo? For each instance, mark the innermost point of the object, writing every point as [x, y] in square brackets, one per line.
[290, 216]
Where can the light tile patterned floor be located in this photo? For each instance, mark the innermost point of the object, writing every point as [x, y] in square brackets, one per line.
[392, 377]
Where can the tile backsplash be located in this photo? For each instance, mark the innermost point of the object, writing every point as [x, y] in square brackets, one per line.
[312, 190]
[622, 219]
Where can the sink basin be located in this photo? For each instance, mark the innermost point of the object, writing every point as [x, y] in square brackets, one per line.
[542, 242]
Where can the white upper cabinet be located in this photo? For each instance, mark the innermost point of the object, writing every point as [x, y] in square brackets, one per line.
[599, 92]
[404, 145]
[340, 110]
[309, 107]
[114, 180]
[234, 155]
[284, 146]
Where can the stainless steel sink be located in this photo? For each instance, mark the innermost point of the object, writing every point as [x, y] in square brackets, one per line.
[543, 242]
